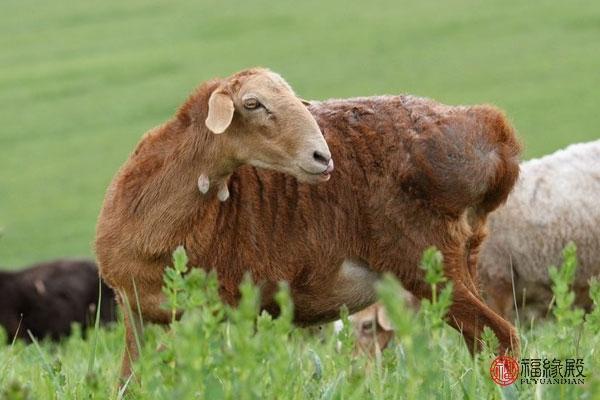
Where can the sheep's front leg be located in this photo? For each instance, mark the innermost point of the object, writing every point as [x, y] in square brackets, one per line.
[133, 340]
[143, 298]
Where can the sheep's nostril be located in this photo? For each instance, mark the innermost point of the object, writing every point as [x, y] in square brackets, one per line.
[319, 157]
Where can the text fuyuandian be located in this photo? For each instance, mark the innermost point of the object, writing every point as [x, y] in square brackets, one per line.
[552, 372]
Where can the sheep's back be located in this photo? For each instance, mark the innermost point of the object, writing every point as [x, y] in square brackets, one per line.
[452, 157]
[556, 200]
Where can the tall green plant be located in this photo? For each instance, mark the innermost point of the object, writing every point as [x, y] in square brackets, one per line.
[562, 278]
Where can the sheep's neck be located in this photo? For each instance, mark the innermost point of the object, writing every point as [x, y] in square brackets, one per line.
[171, 198]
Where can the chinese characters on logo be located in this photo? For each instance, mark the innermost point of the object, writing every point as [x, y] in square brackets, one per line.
[552, 372]
[505, 370]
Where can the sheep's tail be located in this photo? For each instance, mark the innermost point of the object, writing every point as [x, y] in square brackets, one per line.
[468, 158]
[501, 163]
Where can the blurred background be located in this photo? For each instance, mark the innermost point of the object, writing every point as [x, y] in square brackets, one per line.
[80, 82]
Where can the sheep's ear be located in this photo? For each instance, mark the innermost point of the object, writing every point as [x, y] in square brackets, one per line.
[220, 112]
[305, 102]
[383, 320]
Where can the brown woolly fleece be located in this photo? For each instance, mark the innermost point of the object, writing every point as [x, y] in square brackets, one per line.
[409, 173]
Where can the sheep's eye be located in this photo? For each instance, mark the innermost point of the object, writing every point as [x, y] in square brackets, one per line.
[251, 104]
[367, 327]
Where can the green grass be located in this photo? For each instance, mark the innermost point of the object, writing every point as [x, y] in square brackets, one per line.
[80, 82]
[217, 352]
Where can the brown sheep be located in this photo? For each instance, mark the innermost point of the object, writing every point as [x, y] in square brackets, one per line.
[410, 173]
[47, 298]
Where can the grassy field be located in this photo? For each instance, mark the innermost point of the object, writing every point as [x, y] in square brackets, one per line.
[80, 82]
[216, 352]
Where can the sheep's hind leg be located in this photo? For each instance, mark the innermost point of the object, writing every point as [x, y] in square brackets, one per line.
[499, 296]
[469, 315]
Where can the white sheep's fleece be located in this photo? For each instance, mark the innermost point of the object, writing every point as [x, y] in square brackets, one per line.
[556, 200]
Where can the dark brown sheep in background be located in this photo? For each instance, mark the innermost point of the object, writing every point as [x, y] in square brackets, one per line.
[410, 173]
[47, 298]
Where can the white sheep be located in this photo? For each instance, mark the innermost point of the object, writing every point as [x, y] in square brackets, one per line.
[556, 200]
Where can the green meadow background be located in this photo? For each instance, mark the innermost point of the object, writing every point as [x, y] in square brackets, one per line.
[80, 82]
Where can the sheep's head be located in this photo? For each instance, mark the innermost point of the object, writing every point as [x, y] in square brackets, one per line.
[373, 329]
[265, 124]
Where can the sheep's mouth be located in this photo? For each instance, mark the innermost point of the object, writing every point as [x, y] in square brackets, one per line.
[322, 176]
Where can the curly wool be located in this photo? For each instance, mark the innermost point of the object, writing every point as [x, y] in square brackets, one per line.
[556, 200]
